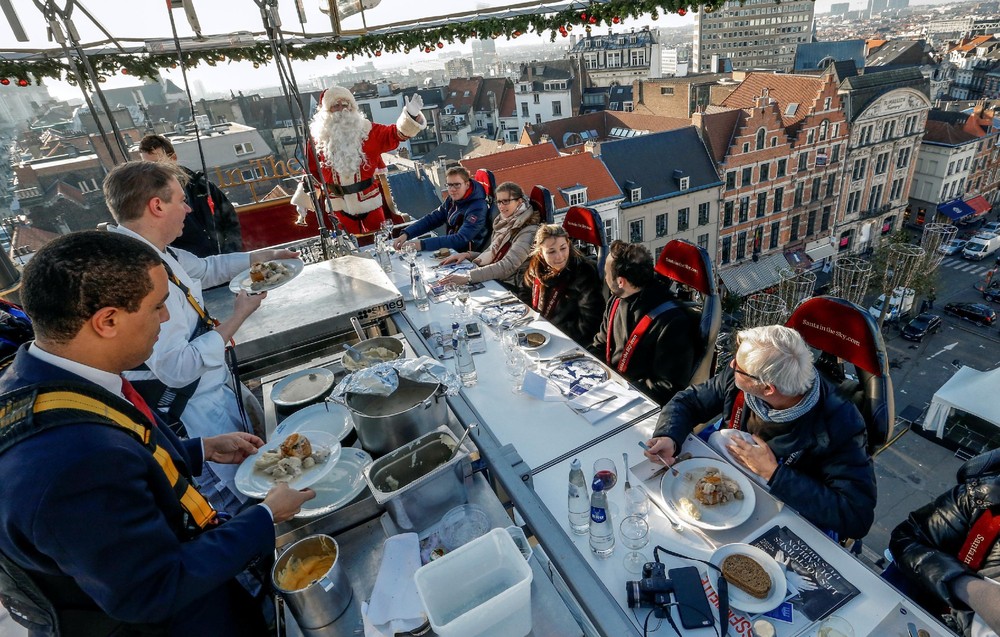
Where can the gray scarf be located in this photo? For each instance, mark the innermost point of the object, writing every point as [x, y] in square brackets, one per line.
[765, 412]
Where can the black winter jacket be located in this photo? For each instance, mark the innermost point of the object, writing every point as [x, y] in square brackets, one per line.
[663, 360]
[204, 232]
[824, 471]
[578, 313]
[925, 547]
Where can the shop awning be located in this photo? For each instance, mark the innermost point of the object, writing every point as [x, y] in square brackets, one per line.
[955, 209]
[750, 277]
[823, 250]
[979, 205]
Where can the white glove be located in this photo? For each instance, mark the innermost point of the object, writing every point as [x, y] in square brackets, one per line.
[413, 107]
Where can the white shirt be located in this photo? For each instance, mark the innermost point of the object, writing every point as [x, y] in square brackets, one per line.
[177, 362]
[107, 380]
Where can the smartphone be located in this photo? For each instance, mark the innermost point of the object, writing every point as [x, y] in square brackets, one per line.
[472, 330]
[692, 604]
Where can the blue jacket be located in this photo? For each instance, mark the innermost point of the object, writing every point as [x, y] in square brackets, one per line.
[465, 222]
[89, 502]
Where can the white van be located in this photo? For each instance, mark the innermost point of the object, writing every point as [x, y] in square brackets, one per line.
[900, 304]
[979, 247]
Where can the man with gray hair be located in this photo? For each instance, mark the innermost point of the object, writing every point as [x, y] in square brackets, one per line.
[808, 442]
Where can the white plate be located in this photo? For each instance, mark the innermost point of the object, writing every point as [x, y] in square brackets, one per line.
[344, 482]
[302, 387]
[714, 518]
[327, 416]
[545, 338]
[242, 280]
[744, 601]
[256, 484]
[720, 441]
[578, 376]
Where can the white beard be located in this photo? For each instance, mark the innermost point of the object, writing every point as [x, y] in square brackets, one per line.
[340, 136]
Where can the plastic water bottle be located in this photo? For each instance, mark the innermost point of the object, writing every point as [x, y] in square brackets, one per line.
[602, 530]
[382, 255]
[579, 500]
[465, 367]
[419, 291]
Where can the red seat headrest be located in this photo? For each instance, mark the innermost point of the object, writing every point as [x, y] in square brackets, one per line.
[686, 263]
[839, 327]
[581, 224]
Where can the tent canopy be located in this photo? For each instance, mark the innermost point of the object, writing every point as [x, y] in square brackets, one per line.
[969, 390]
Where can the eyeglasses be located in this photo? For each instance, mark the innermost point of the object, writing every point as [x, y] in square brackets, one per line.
[458, 185]
[736, 368]
[504, 202]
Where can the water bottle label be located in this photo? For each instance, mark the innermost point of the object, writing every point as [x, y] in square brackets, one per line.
[598, 514]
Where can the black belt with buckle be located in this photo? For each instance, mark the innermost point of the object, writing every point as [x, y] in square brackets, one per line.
[350, 189]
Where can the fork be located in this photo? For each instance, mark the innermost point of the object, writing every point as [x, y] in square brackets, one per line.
[585, 408]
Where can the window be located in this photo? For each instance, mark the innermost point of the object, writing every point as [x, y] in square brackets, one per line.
[827, 103]
[703, 213]
[638, 57]
[666, 90]
[764, 170]
[388, 104]
[662, 221]
[775, 235]
[741, 245]
[889, 130]
[746, 147]
[538, 98]
[810, 136]
[951, 168]
[727, 215]
[610, 229]
[881, 163]
[744, 209]
[727, 248]
[831, 185]
[366, 110]
[811, 223]
[683, 219]
[557, 108]
[875, 197]
[761, 204]
[730, 180]
[635, 231]
[835, 154]
[817, 186]
[896, 192]
[859, 168]
[824, 223]
[685, 183]
[249, 174]
[747, 176]
[781, 168]
[800, 188]
[803, 161]
[635, 194]
[703, 241]
[538, 118]
[576, 197]
[524, 109]
[853, 202]
[779, 194]
[243, 149]
[824, 128]
[760, 139]
[794, 228]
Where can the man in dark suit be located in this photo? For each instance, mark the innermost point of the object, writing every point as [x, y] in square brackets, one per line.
[91, 513]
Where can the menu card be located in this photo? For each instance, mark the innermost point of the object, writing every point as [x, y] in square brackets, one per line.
[822, 589]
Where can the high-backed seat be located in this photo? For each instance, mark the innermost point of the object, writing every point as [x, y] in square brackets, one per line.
[690, 265]
[845, 333]
[584, 224]
[489, 184]
[541, 200]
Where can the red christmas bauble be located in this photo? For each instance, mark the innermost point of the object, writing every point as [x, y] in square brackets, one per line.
[23, 83]
[440, 45]
[682, 11]
[616, 19]
[592, 20]
[340, 57]
[378, 53]
[5, 81]
[583, 17]
[124, 71]
[516, 33]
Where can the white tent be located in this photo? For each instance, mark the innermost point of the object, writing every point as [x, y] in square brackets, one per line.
[969, 390]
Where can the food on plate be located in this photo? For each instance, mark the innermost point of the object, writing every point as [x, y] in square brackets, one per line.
[371, 357]
[534, 339]
[689, 508]
[267, 273]
[713, 488]
[300, 573]
[746, 574]
[442, 253]
[763, 628]
[294, 455]
[826, 631]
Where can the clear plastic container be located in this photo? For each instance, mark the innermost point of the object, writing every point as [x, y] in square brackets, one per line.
[494, 595]
[463, 524]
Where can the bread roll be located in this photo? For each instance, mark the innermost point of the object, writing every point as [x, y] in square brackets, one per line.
[746, 574]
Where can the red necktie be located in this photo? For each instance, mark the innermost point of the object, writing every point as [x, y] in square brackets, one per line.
[133, 397]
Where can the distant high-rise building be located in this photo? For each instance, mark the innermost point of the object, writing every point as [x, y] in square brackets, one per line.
[458, 67]
[738, 33]
[902, 4]
[484, 55]
[877, 6]
[840, 8]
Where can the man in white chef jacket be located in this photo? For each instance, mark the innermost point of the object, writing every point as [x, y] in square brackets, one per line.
[147, 200]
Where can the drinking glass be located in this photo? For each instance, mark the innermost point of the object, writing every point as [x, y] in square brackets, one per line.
[410, 252]
[516, 364]
[607, 472]
[463, 297]
[387, 226]
[635, 536]
[451, 293]
[510, 338]
[637, 502]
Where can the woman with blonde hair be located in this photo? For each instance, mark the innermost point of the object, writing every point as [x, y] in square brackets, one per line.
[513, 232]
[562, 285]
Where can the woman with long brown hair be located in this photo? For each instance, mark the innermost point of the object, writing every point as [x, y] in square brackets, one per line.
[562, 285]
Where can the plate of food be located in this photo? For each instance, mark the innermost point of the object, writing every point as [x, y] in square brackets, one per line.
[532, 339]
[578, 376]
[756, 582]
[497, 314]
[298, 459]
[708, 493]
[339, 487]
[302, 387]
[262, 277]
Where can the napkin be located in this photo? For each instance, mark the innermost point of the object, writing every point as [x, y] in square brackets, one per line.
[538, 386]
[623, 397]
[395, 604]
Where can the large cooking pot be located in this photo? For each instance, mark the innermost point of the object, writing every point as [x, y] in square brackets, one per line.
[394, 345]
[388, 422]
[323, 594]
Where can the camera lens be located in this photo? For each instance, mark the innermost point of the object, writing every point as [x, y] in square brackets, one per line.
[633, 594]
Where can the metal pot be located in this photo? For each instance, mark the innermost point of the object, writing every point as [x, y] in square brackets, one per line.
[392, 344]
[388, 422]
[321, 602]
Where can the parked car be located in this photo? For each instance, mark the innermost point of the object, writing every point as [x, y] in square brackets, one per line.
[921, 326]
[952, 247]
[992, 293]
[992, 226]
[976, 312]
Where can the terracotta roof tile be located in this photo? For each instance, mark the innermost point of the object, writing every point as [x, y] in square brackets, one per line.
[718, 127]
[564, 172]
[460, 86]
[30, 237]
[69, 192]
[786, 89]
[511, 158]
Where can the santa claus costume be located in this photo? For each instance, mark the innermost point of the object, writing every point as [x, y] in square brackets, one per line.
[349, 150]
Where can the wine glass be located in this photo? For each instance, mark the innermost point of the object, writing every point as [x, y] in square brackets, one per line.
[387, 226]
[463, 298]
[637, 502]
[410, 252]
[451, 293]
[516, 364]
[606, 471]
[635, 536]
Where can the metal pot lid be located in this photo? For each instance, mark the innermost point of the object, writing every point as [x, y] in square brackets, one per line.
[302, 387]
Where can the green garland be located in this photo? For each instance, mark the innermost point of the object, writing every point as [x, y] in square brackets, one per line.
[371, 44]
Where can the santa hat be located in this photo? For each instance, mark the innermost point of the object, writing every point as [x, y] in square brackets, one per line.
[334, 93]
